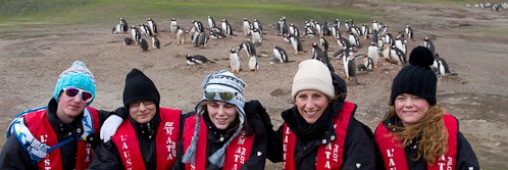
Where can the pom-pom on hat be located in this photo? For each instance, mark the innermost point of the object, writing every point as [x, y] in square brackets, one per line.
[416, 78]
[139, 87]
[313, 75]
[225, 87]
[78, 76]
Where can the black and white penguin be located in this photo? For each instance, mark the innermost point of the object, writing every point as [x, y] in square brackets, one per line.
[217, 35]
[295, 43]
[196, 59]
[211, 22]
[429, 44]
[280, 55]
[136, 35]
[388, 39]
[257, 25]
[343, 42]
[256, 37]
[282, 27]
[155, 42]
[373, 54]
[323, 43]
[440, 65]
[246, 27]
[400, 43]
[127, 41]
[325, 29]
[365, 31]
[124, 27]
[317, 53]
[293, 30]
[375, 26]
[181, 35]
[364, 63]
[152, 25]
[143, 44]
[397, 56]
[248, 47]
[145, 30]
[409, 32]
[198, 26]
[375, 38]
[172, 25]
[234, 61]
[201, 40]
[310, 31]
[253, 63]
[354, 40]
[226, 27]
[349, 65]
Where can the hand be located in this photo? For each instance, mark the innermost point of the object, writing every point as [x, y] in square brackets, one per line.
[109, 127]
[254, 108]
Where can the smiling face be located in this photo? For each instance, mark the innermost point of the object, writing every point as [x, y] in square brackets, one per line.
[221, 114]
[311, 104]
[142, 111]
[69, 107]
[410, 108]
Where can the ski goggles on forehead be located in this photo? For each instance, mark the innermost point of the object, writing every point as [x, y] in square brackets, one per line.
[210, 95]
[72, 92]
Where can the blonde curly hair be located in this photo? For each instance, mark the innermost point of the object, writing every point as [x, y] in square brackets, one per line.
[430, 129]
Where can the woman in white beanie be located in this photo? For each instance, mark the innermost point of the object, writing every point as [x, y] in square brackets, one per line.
[224, 132]
[320, 131]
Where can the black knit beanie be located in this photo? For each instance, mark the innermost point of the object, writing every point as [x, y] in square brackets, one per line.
[138, 87]
[416, 78]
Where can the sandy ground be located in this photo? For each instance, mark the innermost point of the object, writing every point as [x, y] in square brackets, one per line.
[32, 58]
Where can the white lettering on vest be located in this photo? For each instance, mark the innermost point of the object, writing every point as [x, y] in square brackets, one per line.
[391, 162]
[47, 162]
[168, 126]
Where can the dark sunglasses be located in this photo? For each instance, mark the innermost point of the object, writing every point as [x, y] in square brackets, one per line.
[72, 92]
[223, 95]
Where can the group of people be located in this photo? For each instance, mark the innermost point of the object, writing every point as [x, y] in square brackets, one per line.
[227, 132]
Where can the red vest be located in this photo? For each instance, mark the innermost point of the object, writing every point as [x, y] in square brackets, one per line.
[237, 152]
[166, 140]
[329, 156]
[394, 157]
[43, 132]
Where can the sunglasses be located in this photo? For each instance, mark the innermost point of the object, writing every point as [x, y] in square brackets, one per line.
[72, 92]
[223, 95]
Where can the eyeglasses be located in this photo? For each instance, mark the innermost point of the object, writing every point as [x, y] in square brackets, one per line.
[222, 95]
[72, 92]
[137, 103]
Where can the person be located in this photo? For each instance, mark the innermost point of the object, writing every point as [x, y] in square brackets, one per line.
[60, 135]
[416, 133]
[148, 138]
[223, 132]
[320, 130]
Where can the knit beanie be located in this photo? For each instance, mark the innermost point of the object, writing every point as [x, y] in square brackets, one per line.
[138, 87]
[313, 75]
[78, 76]
[416, 78]
[216, 83]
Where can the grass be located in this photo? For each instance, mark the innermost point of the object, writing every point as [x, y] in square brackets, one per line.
[22, 12]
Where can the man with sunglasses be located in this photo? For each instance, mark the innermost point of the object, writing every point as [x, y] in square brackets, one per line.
[60, 135]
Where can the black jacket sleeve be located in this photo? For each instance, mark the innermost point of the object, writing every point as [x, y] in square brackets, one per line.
[466, 158]
[14, 156]
[274, 145]
[255, 113]
[179, 165]
[106, 157]
[359, 147]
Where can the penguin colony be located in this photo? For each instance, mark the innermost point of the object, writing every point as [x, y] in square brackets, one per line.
[360, 48]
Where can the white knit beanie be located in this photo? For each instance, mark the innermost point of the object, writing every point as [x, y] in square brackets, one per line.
[313, 75]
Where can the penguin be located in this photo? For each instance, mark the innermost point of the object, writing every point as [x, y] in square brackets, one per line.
[155, 42]
[201, 40]
[127, 41]
[211, 22]
[180, 35]
[293, 30]
[375, 25]
[430, 45]
[197, 59]
[124, 27]
[280, 55]
[257, 25]
[116, 29]
[136, 35]
[198, 26]
[323, 43]
[366, 65]
[354, 40]
[440, 65]
[409, 32]
[349, 65]
[143, 45]
[355, 30]
[172, 25]
[365, 31]
[310, 31]
[249, 48]
[217, 35]
[234, 61]
[256, 37]
[382, 28]
[253, 63]
[375, 37]
[401, 44]
[317, 53]
[334, 31]
[152, 25]
[343, 42]
[145, 30]
[226, 27]
[325, 29]
[388, 39]
[373, 54]
[282, 26]
[295, 43]
[246, 27]
[397, 56]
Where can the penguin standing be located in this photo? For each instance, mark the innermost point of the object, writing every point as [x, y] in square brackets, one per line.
[124, 27]
[440, 65]
[317, 53]
[152, 25]
[349, 65]
[295, 43]
[293, 30]
[409, 32]
[145, 30]
[136, 35]
[234, 61]
[257, 25]
[201, 40]
[280, 55]
[226, 27]
[143, 45]
[373, 54]
[246, 27]
[429, 44]
[173, 25]
[365, 31]
[401, 44]
[253, 63]
[354, 40]
[397, 56]
[323, 43]
[155, 42]
[198, 26]
[249, 48]
[211, 22]
[180, 35]
[256, 37]
[282, 27]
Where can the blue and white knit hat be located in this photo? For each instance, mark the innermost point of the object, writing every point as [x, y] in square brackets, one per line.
[78, 76]
[221, 81]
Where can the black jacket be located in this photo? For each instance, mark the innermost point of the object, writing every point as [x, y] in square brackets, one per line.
[14, 156]
[465, 155]
[359, 146]
[106, 155]
[213, 143]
